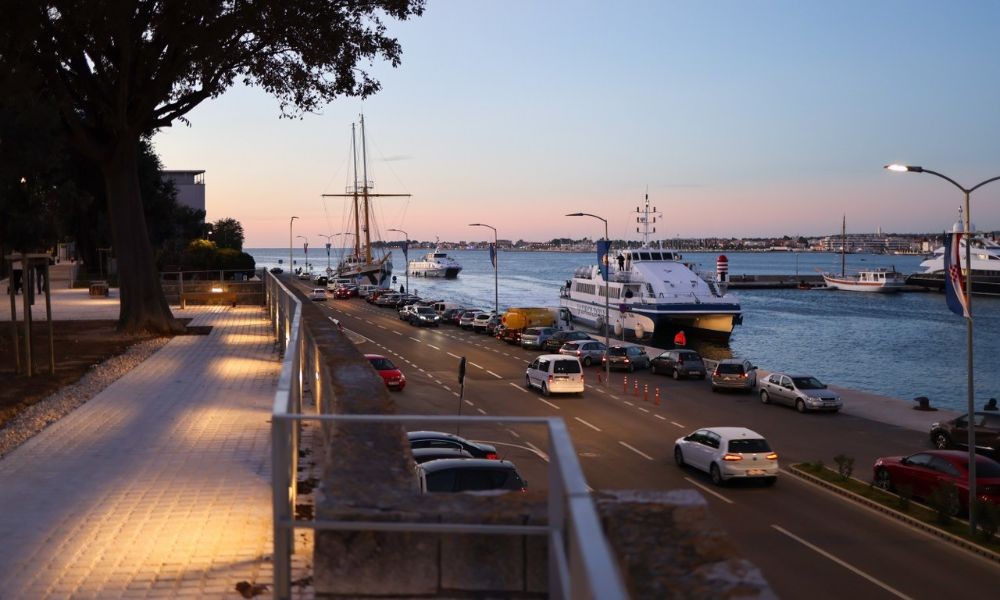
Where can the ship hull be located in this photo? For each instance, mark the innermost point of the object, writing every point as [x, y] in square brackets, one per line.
[440, 272]
[985, 284]
[850, 285]
[660, 322]
[373, 274]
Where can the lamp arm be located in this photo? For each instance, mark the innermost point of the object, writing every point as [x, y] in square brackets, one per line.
[950, 180]
[981, 184]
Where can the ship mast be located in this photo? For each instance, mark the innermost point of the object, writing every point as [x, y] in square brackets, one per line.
[843, 247]
[646, 219]
[357, 226]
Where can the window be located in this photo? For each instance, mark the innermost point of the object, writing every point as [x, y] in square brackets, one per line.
[939, 464]
[441, 481]
[786, 381]
[480, 479]
[749, 446]
[543, 365]
[644, 256]
[919, 460]
[382, 364]
[735, 369]
[713, 440]
[566, 366]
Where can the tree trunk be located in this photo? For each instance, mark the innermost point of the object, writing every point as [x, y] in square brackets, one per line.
[143, 305]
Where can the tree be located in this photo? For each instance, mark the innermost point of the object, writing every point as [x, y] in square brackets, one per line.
[121, 69]
[227, 233]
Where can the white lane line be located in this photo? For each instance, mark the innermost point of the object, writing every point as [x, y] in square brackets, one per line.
[421, 370]
[475, 365]
[382, 327]
[676, 424]
[645, 410]
[481, 411]
[433, 346]
[505, 354]
[469, 402]
[587, 424]
[414, 339]
[629, 403]
[660, 417]
[446, 387]
[709, 490]
[637, 451]
[438, 381]
[369, 322]
[840, 562]
[540, 454]
[518, 387]
[550, 404]
[494, 374]
[454, 355]
[397, 333]
[514, 433]
[600, 390]
[455, 394]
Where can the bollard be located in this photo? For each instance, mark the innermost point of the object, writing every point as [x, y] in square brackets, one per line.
[599, 378]
[657, 401]
[625, 385]
[645, 392]
[635, 388]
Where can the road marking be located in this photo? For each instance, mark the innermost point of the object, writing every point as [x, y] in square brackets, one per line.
[469, 402]
[541, 454]
[629, 403]
[505, 354]
[660, 417]
[421, 370]
[840, 562]
[369, 322]
[455, 394]
[514, 433]
[676, 424]
[587, 424]
[600, 390]
[645, 410]
[397, 333]
[382, 327]
[481, 411]
[433, 346]
[518, 387]
[494, 374]
[637, 451]
[454, 355]
[550, 404]
[414, 339]
[475, 365]
[446, 387]
[437, 381]
[709, 490]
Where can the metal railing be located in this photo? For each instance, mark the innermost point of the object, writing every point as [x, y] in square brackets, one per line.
[580, 561]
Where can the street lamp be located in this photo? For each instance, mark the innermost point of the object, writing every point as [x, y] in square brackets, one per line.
[607, 339]
[328, 243]
[305, 251]
[405, 257]
[496, 265]
[970, 399]
[290, 263]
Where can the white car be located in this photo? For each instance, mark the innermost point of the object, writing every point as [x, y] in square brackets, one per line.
[727, 453]
[317, 294]
[555, 374]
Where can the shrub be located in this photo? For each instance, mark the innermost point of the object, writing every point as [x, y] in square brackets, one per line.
[987, 519]
[905, 494]
[845, 465]
[944, 501]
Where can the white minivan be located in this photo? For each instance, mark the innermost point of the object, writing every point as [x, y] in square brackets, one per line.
[555, 374]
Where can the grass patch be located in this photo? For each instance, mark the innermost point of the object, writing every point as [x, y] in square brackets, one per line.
[900, 503]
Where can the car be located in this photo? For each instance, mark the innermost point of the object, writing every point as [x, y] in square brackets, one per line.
[320, 280]
[555, 374]
[405, 300]
[344, 292]
[449, 315]
[629, 358]
[955, 433]
[678, 363]
[588, 351]
[491, 325]
[441, 439]
[804, 392]
[406, 311]
[366, 289]
[374, 295]
[481, 320]
[422, 455]
[387, 299]
[318, 294]
[734, 374]
[304, 275]
[533, 338]
[465, 321]
[469, 475]
[728, 453]
[423, 315]
[922, 472]
[277, 270]
[393, 377]
[557, 339]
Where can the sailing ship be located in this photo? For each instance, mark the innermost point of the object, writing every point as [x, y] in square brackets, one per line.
[362, 265]
[985, 265]
[865, 280]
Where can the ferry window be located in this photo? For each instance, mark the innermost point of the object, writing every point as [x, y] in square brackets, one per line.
[644, 256]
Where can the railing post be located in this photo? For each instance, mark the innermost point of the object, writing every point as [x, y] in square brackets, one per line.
[558, 579]
[282, 509]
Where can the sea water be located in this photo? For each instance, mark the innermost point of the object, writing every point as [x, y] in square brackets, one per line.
[900, 345]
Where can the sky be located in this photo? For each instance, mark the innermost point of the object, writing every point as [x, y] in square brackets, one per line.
[740, 119]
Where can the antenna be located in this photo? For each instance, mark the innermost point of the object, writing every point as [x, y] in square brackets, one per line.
[647, 220]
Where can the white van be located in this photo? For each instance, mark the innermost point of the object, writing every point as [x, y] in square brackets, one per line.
[440, 307]
[555, 374]
[335, 282]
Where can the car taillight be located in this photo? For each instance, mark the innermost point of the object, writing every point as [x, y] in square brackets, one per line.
[626, 360]
[772, 456]
[743, 375]
[578, 353]
[732, 457]
[550, 379]
[491, 455]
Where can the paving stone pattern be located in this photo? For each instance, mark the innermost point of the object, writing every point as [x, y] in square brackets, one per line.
[158, 487]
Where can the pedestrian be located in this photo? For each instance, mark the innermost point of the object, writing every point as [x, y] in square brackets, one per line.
[40, 277]
[621, 262]
[402, 289]
[991, 404]
[680, 339]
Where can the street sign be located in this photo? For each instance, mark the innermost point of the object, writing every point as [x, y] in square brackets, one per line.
[623, 308]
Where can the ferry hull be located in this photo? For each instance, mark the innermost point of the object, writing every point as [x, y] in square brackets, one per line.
[657, 326]
[445, 273]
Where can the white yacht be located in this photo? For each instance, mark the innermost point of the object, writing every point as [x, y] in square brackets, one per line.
[435, 264]
[985, 265]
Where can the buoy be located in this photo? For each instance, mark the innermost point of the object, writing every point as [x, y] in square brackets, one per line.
[618, 328]
[640, 331]
[722, 268]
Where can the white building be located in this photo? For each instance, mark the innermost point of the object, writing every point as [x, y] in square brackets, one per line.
[190, 187]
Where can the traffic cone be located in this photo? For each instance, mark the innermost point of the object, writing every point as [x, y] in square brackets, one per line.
[625, 385]
[657, 400]
[645, 393]
[635, 388]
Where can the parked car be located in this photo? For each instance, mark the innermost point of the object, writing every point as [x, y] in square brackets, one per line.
[406, 300]
[448, 315]
[532, 338]
[304, 275]
[344, 292]
[318, 294]
[469, 475]
[557, 339]
[734, 374]
[955, 433]
[277, 270]
[405, 312]
[393, 377]
[728, 453]
[440, 439]
[588, 351]
[804, 392]
[480, 321]
[366, 289]
[423, 315]
[387, 299]
[491, 325]
[320, 280]
[924, 471]
[374, 295]
[465, 321]
[629, 358]
[555, 374]
[678, 363]
[422, 455]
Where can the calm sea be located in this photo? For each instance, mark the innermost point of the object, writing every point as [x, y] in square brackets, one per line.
[900, 345]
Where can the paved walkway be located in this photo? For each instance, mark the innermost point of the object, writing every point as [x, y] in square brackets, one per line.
[158, 487]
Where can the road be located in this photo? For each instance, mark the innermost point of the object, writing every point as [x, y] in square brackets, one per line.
[805, 540]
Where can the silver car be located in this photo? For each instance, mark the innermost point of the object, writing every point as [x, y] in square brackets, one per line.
[734, 374]
[534, 337]
[804, 392]
[589, 352]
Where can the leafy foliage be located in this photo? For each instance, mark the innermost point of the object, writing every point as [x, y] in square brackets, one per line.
[227, 233]
[944, 501]
[845, 465]
[987, 519]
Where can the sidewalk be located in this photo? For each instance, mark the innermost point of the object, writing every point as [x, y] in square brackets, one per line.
[159, 486]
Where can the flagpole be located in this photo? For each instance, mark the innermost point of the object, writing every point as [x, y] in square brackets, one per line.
[406, 256]
[496, 265]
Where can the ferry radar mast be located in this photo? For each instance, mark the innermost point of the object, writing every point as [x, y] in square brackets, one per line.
[646, 218]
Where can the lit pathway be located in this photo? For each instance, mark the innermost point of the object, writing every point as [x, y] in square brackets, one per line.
[159, 486]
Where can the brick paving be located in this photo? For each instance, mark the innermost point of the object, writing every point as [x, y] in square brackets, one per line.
[159, 486]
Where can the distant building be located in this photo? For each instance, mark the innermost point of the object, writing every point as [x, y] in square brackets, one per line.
[190, 187]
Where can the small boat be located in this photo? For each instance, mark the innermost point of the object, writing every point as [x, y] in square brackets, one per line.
[866, 280]
[435, 264]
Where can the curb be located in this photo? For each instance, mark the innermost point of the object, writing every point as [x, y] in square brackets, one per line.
[912, 522]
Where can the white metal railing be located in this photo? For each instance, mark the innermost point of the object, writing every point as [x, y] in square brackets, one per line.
[580, 561]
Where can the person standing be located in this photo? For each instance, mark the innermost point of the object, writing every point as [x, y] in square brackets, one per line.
[15, 276]
[40, 277]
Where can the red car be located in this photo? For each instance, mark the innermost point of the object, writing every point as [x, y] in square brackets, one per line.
[345, 292]
[393, 377]
[927, 470]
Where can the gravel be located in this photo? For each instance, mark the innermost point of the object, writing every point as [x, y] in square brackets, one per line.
[52, 408]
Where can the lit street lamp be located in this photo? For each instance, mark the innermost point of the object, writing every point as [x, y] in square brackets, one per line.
[496, 265]
[405, 258]
[970, 386]
[607, 340]
[328, 243]
[290, 262]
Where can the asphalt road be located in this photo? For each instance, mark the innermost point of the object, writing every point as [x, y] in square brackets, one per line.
[806, 541]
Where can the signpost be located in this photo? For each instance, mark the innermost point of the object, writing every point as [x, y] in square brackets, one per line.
[461, 393]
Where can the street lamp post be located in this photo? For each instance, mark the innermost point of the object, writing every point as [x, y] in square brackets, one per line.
[305, 251]
[607, 312]
[290, 262]
[405, 258]
[328, 243]
[496, 265]
[970, 386]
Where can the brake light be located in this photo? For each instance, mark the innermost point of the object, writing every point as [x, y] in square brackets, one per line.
[772, 456]
[743, 375]
[578, 353]
[491, 456]
[732, 457]
[626, 360]
[550, 379]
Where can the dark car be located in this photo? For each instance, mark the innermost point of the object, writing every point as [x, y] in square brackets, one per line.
[440, 439]
[629, 358]
[678, 363]
[387, 299]
[406, 300]
[492, 324]
[955, 433]
[423, 315]
[469, 475]
[557, 339]
[449, 315]
[926, 471]
[277, 270]
[422, 455]
[344, 292]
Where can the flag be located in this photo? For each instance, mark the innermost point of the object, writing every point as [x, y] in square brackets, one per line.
[305, 247]
[493, 255]
[406, 248]
[954, 280]
[602, 256]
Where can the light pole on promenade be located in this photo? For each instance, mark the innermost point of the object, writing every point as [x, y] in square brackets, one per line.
[496, 265]
[607, 312]
[290, 261]
[305, 250]
[328, 244]
[970, 386]
[405, 257]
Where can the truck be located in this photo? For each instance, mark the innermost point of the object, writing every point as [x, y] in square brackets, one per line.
[517, 319]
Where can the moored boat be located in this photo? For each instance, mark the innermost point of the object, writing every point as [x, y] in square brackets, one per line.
[435, 264]
[985, 266]
[865, 280]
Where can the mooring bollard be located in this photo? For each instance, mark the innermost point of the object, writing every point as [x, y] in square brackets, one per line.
[645, 393]
[625, 385]
[657, 401]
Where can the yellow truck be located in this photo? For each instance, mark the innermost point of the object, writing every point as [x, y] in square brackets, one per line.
[517, 319]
